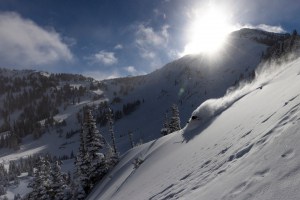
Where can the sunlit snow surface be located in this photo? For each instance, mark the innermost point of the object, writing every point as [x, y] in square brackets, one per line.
[249, 150]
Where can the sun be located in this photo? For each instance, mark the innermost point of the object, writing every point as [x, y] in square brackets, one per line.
[208, 31]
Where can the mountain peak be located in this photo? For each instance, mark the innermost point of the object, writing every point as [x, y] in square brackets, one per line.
[260, 36]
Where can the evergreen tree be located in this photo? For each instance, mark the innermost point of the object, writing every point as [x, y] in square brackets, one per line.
[17, 197]
[59, 188]
[175, 119]
[166, 129]
[13, 171]
[111, 130]
[2, 190]
[82, 166]
[111, 158]
[130, 135]
[79, 192]
[90, 162]
[41, 183]
[94, 143]
[294, 32]
[3, 179]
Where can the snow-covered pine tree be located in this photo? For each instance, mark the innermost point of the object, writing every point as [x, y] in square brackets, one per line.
[111, 130]
[2, 190]
[13, 171]
[3, 179]
[59, 188]
[166, 129]
[17, 197]
[94, 143]
[41, 183]
[130, 135]
[112, 156]
[175, 119]
[82, 166]
[78, 192]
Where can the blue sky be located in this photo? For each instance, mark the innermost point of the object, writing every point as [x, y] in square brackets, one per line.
[113, 38]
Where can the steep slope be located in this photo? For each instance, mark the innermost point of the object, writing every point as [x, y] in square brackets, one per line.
[248, 150]
[186, 82]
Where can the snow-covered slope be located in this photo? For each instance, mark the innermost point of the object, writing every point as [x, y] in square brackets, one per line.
[186, 82]
[248, 150]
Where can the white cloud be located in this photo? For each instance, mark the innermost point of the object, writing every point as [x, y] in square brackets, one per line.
[118, 46]
[265, 27]
[103, 57]
[148, 54]
[23, 43]
[146, 36]
[149, 41]
[131, 70]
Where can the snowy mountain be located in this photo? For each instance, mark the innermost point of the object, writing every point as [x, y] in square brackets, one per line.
[186, 82]
[44, 110]
[240, 146]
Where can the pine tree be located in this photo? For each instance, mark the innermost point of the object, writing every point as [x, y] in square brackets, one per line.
[17, 197]
[175, 119]
[41, 182]
[79, 193]
[3, 179]
[13, 171]
[2, 190]
[130, 138]
[166, 129]
[294, 32]
[90, 162]
[111, 130]
[94, 143]
[82, 166]
[59, 188]
[112, 157]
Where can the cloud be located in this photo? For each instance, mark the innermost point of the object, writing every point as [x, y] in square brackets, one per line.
[24, 43]
[131, 70]
[146, 36]
[102, 57]
[265, 27]
[148, 54]
[152, 45]
[118, 46]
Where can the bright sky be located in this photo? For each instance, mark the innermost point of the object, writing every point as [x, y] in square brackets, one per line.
[112, 38]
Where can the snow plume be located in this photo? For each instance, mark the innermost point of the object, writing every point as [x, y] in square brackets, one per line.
[213, 107]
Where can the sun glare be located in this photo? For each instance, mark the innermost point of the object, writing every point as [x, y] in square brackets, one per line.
[208, 32]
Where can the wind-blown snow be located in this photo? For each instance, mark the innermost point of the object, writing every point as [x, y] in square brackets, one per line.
[212, 107]
[249, 151]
